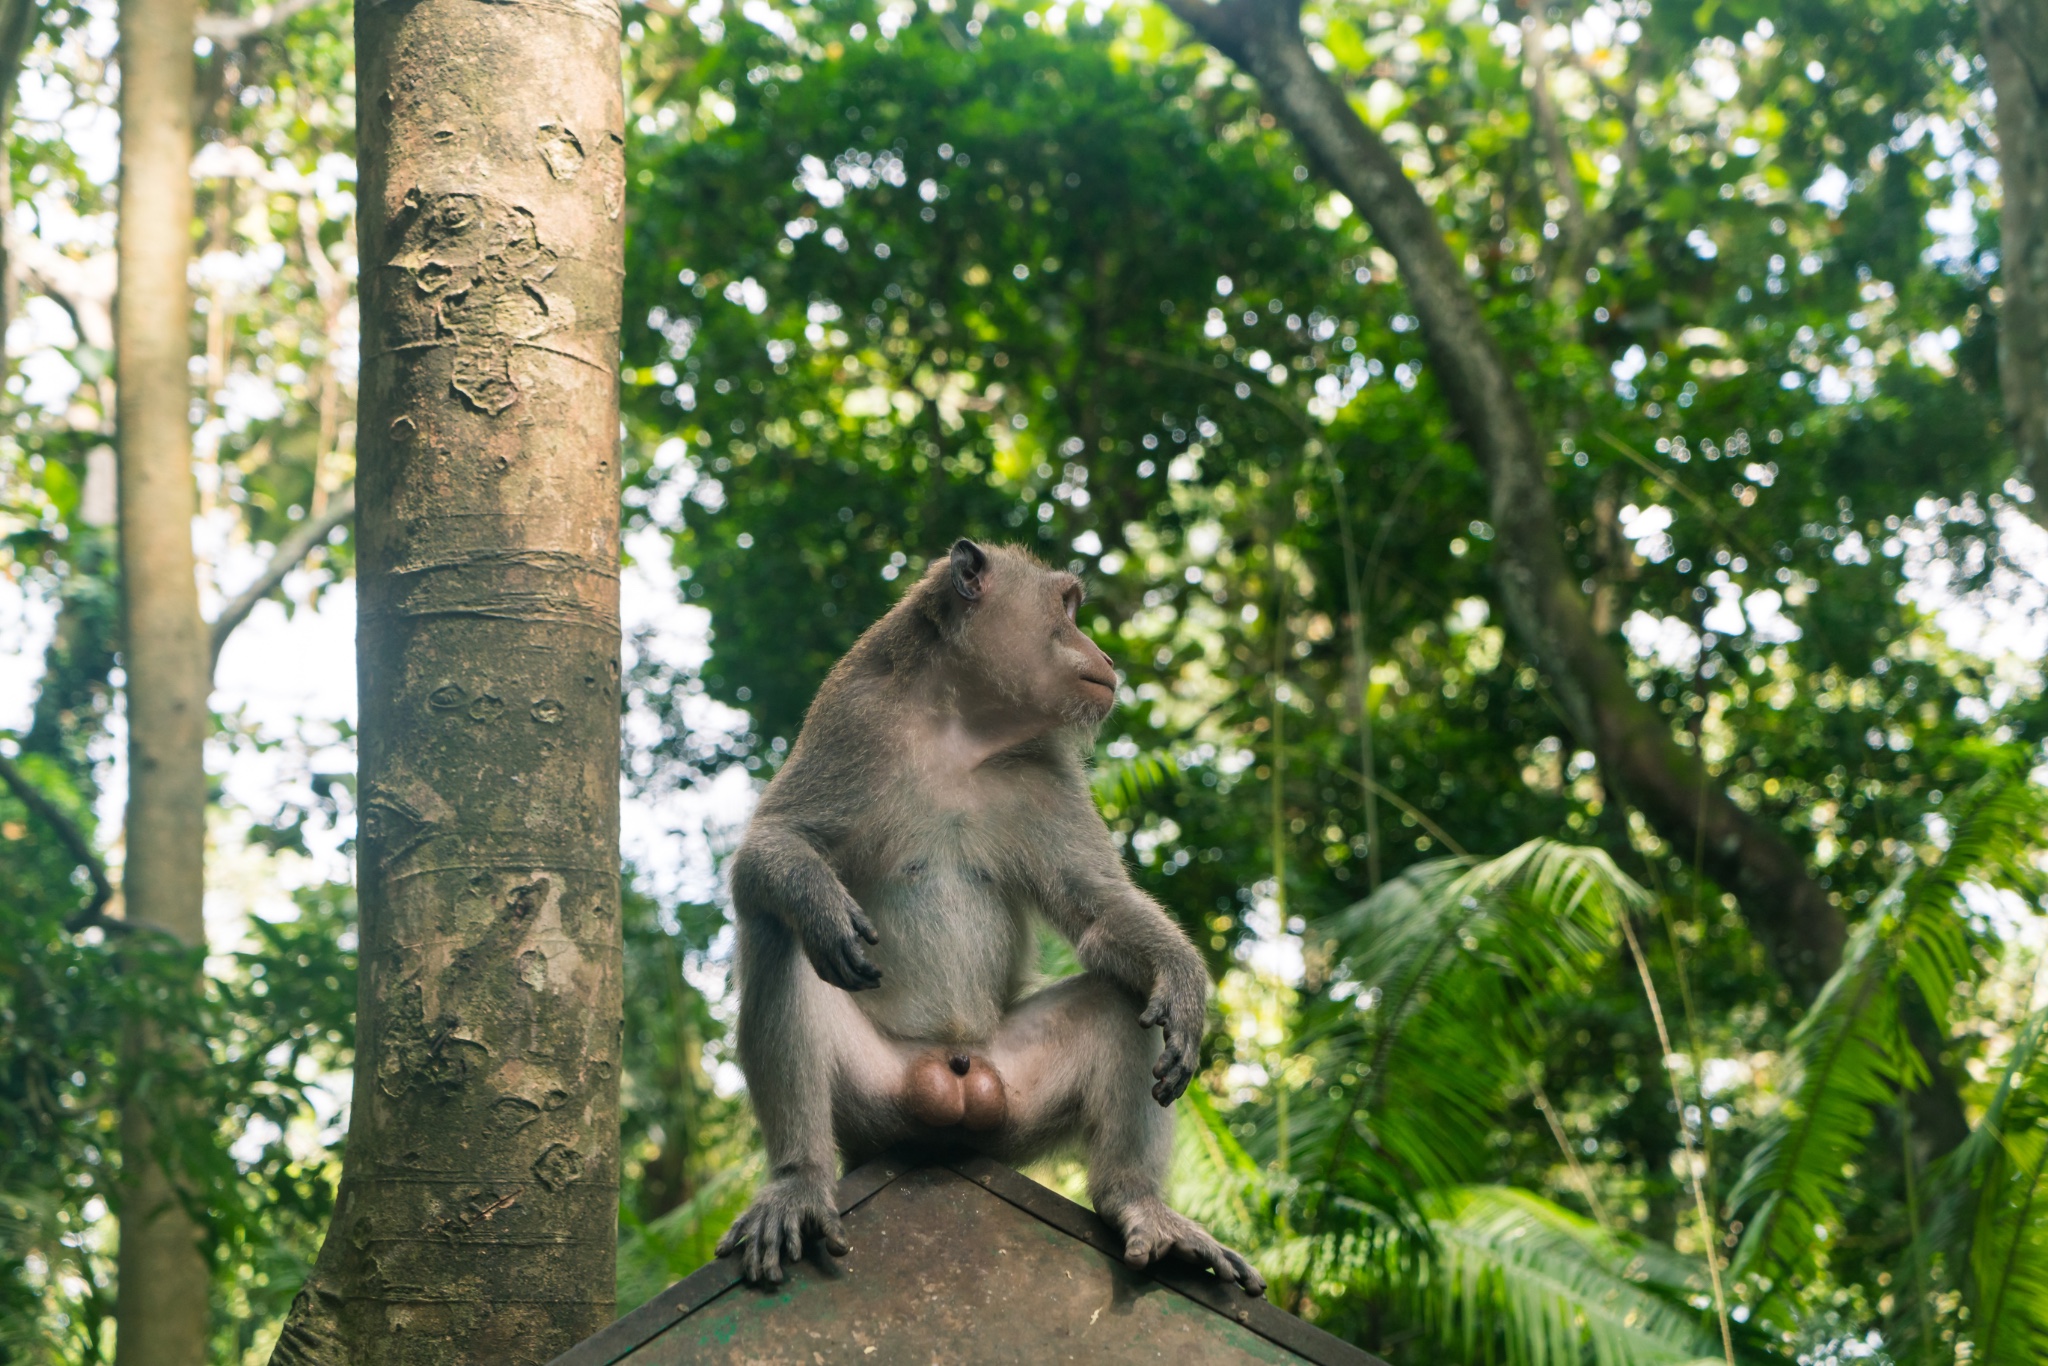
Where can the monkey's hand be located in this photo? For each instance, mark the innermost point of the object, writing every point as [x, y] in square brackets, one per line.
[832, 941]
[786, 1211]
[1179, 1005]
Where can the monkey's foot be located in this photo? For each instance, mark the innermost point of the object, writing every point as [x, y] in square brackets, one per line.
[1152, 1230]
[772, 1231]
[952, 1087]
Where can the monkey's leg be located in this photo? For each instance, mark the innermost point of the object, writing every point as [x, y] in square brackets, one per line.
[1075, 1062]
[816, 1067]
[787, 1050]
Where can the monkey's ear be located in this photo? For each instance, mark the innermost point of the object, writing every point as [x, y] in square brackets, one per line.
[970, 565]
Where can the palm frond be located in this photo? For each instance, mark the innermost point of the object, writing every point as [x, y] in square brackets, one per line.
[2009, 1252]
[1122, 783]
[1509, 1276]
[1851, 1053]
[1954, 1183]
[1400, 1005]
[1491, 1273]
[1988, 1212]
[1219, 1183]
[1851, 1057]
[1437, 965]
[1227, 1184]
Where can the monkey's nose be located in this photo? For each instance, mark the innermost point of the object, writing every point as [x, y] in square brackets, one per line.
[959, 1063]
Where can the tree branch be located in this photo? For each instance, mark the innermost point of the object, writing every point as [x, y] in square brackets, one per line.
[1801, 929]
[1568, 276]
[1798, 925]
[289, 553]
[83, 289]
[74, 841]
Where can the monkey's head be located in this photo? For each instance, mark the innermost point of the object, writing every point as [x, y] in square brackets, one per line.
[1011, 624]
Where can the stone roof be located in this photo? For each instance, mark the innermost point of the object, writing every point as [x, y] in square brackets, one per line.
[965, 1263]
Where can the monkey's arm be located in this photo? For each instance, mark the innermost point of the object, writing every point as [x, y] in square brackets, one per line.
[780, 873]
[1126, 936]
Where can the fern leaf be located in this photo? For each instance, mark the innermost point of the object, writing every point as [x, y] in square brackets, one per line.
[1990, 1210]
[2009, 1252]
[1848, 1053]
[1851, 1053]
[1432, 964]
[1512, 1273]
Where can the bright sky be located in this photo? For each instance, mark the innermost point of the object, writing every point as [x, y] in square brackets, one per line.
[287, 680]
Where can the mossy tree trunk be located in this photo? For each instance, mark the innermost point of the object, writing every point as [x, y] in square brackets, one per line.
[161, 1312]
[477, 1214]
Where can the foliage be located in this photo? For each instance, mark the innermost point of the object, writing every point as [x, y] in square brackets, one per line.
[680, 1137]
[1376, 1153]
[880, 314]
[258, 1047]
[1550, 1284]
[253, 1056]
[656, 1254]
[1852, 1050]
[1053, 275]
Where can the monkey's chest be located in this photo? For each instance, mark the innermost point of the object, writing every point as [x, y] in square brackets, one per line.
[952, 950]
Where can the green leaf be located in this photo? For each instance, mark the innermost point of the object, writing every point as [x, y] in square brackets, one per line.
[1851, 1053]
[1989, 1213]
[2009, 1252]
[1124, 782]
[1552, 1287]
[656, 1254]
[1437, 964]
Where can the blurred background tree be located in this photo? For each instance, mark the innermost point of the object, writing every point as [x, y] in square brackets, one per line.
[1498, 1064]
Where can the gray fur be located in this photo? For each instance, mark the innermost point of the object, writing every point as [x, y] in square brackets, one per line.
[935, 804]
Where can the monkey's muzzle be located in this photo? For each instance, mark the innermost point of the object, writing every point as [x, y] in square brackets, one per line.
[949, 1089]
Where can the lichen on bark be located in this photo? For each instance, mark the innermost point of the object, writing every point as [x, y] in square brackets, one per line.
[477, 1216]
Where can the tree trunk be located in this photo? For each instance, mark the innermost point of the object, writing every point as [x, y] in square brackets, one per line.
[477, 1215]
[2016, 46]
[1568, 263]
[19, 21]
[161, 1312]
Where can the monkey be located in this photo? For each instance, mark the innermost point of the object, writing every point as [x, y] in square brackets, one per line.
[934, 807]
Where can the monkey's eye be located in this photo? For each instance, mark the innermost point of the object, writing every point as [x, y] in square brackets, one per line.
[1072, 598]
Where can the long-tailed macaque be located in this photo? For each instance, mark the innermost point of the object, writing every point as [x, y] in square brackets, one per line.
[936, 801]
